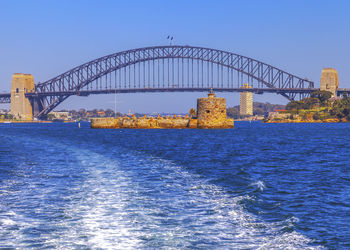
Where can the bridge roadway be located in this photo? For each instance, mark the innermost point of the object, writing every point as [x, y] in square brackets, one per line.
[175, 89]
[6, 97]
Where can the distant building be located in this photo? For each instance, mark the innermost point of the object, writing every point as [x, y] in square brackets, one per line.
[278, 114]
[101, 113]
[329, 80]
[61, 115]
[246, 101]
[3, 111]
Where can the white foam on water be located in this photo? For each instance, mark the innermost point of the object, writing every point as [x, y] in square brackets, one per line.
[259, 184]
[12, 230]
[6, 222]
[99, 216]
[169, 208]
[94, 216]
[140, 201]
[233, 223]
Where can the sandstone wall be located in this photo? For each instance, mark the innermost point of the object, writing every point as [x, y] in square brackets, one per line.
[329, 80]
[145, 123]
[211, 113]
[109, 122]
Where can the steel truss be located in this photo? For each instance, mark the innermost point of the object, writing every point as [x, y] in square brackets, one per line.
[5, 98]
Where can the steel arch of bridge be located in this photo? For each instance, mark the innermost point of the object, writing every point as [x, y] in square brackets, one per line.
[151, 69]
[5, 98]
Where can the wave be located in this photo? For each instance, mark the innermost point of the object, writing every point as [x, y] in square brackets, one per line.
[259, 185]
[130, 200]
[167, 206]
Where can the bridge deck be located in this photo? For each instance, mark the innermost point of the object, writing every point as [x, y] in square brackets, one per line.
[148, 90]
[6, 97]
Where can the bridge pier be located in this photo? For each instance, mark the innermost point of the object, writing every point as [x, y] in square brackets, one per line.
[21, 107]
[37, 105]
[246, 101]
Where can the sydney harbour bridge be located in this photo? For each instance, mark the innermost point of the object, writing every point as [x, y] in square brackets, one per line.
[165, 69]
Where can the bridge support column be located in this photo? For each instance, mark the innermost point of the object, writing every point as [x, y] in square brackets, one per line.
[37, 105]
[21, 107]
[329, 80]
[246, 101]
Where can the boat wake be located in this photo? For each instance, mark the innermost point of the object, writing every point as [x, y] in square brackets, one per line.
[127, 200]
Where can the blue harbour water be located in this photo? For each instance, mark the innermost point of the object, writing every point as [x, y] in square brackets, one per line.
[257, 186]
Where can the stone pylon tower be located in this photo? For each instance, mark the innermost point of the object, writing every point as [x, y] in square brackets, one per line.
[21, 107]
[329, 80]
[246, 101]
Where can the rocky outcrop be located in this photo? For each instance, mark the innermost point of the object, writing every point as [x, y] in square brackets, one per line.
[211, 114]
[145, 123]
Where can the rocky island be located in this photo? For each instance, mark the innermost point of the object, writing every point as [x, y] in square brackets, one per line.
[211, 114]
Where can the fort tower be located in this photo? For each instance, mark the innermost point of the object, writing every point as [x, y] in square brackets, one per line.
[211, 112]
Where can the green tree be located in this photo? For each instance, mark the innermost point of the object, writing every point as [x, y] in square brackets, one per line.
[316, 116]
[109, 113]
[294, 105]
[258, 111]
[233, 113]
[51, 117]
[94, 112]
[82, 113]
[322, 95]
[8, 116]
[311, 102]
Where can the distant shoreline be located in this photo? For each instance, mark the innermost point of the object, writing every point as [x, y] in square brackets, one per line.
[14, 121]
[307, 121]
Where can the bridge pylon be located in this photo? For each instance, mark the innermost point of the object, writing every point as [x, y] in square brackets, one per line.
[329, 80]
[246, 101]
[21, 107]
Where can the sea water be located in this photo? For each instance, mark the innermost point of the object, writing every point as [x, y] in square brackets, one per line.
[257, 186]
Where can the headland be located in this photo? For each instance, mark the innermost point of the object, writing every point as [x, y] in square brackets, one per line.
[320, 107]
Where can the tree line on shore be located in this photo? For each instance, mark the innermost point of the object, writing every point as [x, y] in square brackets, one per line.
[321, 105]
[259, 109]
[83, 114]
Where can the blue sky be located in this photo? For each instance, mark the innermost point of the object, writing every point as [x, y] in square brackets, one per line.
[47, 38]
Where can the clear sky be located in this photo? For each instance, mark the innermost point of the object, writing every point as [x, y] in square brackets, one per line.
[47, 38]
